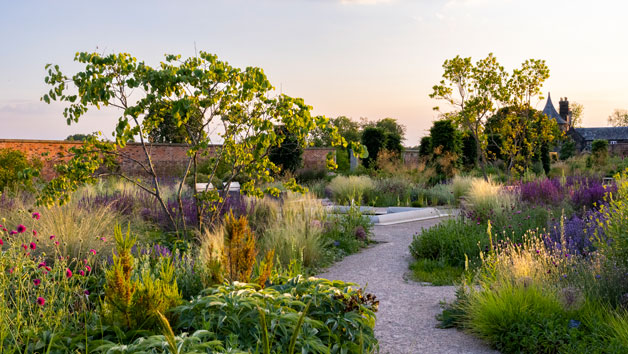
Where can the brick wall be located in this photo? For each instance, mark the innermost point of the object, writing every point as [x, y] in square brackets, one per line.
[169, 159]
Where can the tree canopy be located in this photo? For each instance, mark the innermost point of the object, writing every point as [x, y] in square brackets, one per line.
[214, 101]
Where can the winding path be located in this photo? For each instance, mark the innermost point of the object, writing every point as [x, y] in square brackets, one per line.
[406, 320]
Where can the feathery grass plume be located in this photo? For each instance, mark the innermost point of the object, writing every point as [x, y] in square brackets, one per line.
[211, 249]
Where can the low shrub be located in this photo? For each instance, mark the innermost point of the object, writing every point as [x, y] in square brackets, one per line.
[16, 170]
[436, 272]
[440, 194]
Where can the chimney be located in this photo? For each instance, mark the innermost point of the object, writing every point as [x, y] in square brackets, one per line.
[563, 109]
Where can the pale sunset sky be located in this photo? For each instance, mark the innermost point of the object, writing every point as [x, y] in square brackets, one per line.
[358, 58]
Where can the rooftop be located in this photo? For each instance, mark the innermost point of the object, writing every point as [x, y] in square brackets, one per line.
[551, 112]
[604, 133]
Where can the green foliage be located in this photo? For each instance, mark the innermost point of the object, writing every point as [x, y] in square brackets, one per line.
[445, 136]
[134, 297]
[374, 140]
[239, 251]
[235, 99]
[37, 297]
[545, 158]
[567, 149]
[469, 150]
[440, 194]
[435, 272]
[477, 90]
[77, 137]
[339, 320]
[349, 232]
[599, 150]
[287, 155]
[16, 171]
[425, 147]
[168, 129]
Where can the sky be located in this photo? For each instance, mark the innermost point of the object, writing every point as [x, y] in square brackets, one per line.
[357, 58]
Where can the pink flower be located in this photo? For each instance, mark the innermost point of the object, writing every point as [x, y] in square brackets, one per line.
[36, 282]
[13, 232]
[34, 233]
[21, 228]
[68, 273]
[42, 264]
[36, 215]
[25, 247]
[86, 292]
[52, 237]
[41, 301]
[56, 243]
[82, 273]
[103, 239]
[33, 245]
[4, 229]
[1, 242]
[89, 269]
[11, 270]
[48, 268]
[92, 251]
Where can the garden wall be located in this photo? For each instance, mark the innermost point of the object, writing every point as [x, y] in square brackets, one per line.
[168, 159]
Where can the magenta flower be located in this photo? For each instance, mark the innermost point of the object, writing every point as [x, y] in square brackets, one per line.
[68, 273]
[13, 232]
[56, 243]
[86, 292]
[33, 245]
[11, 270]
[52, 237]
[36, 282]
[92, 251]
[48, 268]
[1, 242]
[25, 247]
[4, 229]
[89, 269]
[82, 273]
[42, 264]
[36, 215]
[34, 233]
[103, 239]
[41, 301]
[21, 228]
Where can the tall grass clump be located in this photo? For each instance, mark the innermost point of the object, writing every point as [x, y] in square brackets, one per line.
[487, 199]
[461, 185]
[344, 189]
[296, 232]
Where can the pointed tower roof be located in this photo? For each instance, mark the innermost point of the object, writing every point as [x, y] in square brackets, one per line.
[551, 112]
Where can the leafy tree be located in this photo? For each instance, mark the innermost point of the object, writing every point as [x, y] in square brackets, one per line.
[374, 140]
[168, 129]
[288, 155]
[619, 118]
[520, 133]
[476, 91]
[236, 100]
[393, 143]
[577, 110]
[392, 128]
[425, 146]
[347, 128]
[446, 137]
[77, 137]
[545, 157]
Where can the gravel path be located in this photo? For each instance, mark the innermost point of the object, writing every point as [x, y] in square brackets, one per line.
[406, 320]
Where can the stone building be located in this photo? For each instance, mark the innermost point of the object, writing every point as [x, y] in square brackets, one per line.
[617, 137]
